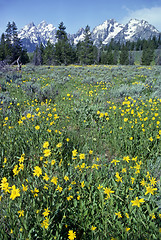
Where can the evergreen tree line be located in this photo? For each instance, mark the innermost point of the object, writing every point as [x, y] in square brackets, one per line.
[65, 52]
[11, 47]
[85, 52]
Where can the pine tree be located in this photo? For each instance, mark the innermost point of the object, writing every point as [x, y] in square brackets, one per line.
[16, 43]
[13, 49]
[61, 33]
[131, 58]
[2, 48]
[38, 58]
[115, 57]
[147, 55]
[47, 53]
[124, 56]
[63, 49]
[8, 41]
[85, 49]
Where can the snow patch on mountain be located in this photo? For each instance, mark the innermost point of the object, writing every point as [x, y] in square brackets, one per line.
[106, 31]
[32, 35]
[136, 29]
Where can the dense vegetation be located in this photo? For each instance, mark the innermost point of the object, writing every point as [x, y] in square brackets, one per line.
[80, 152]
[65, 52]
[10, 46]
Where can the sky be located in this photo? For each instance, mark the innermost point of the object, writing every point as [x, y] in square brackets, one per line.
[78, 13]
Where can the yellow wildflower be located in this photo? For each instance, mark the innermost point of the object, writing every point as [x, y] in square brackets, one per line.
[137, 202]
[15, 192]
[150, 190]
[71, 235]
[93, 228]
[46, 212]
[108, 191]
[54, 180]
[118, 214]
[46, 144]
[47, 152]
[37, 171]
[21, 213]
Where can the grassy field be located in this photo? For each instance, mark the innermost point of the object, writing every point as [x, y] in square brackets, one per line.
[80, 153]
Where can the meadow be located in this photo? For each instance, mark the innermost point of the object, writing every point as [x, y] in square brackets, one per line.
[80, 153]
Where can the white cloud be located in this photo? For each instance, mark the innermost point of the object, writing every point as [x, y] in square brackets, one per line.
[151, 15]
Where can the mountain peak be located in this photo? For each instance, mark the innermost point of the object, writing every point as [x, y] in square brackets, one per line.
[110, 29]
[42, 24]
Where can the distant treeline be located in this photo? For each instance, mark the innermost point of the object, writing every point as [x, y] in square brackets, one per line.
[85, 52]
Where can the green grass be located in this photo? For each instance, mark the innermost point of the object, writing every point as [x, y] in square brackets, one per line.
[80, 153]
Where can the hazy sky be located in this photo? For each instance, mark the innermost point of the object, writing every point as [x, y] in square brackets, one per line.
[76, 14]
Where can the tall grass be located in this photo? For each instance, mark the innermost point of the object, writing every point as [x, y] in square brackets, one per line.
[80, 153]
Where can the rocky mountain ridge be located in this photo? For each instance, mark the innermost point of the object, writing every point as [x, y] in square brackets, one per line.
[32, 35]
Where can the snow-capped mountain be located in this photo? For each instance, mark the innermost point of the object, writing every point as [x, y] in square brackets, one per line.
[32, 35]
[79, 36]
[136, 29]
[106, 31]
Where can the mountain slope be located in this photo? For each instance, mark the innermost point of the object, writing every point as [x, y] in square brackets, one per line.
[32, 35]
[136, 29]
[106, 31]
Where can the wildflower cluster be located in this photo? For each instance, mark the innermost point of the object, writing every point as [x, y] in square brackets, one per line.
[81, 165]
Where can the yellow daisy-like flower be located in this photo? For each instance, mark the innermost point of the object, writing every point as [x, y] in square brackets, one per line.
[82, 184]
[59, 145]
[45, 223]
[108, 191]
[118, 178]
[82, 156]
[137, 202]
[24, 188]
[53, 162]
[46, 212]
[150, 190]
[78, 198]
[46, 178]
[46, 144]
[69, 198]
[37, 127]
[143, 182]
[37, 171]
[29, 115]
[127, 229]
[153, 181]
[115, 161]
[71, 235]
[152, 215]
[74, 152]
[54, 180]
[35, 192]
[99, 187]
[47, 152]
[151, 139]
[60, 189]
[127, 158]
[118, 214]
[127, 215]
[66, 178]
[93, 228]
[21, 213]
[15, 192]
